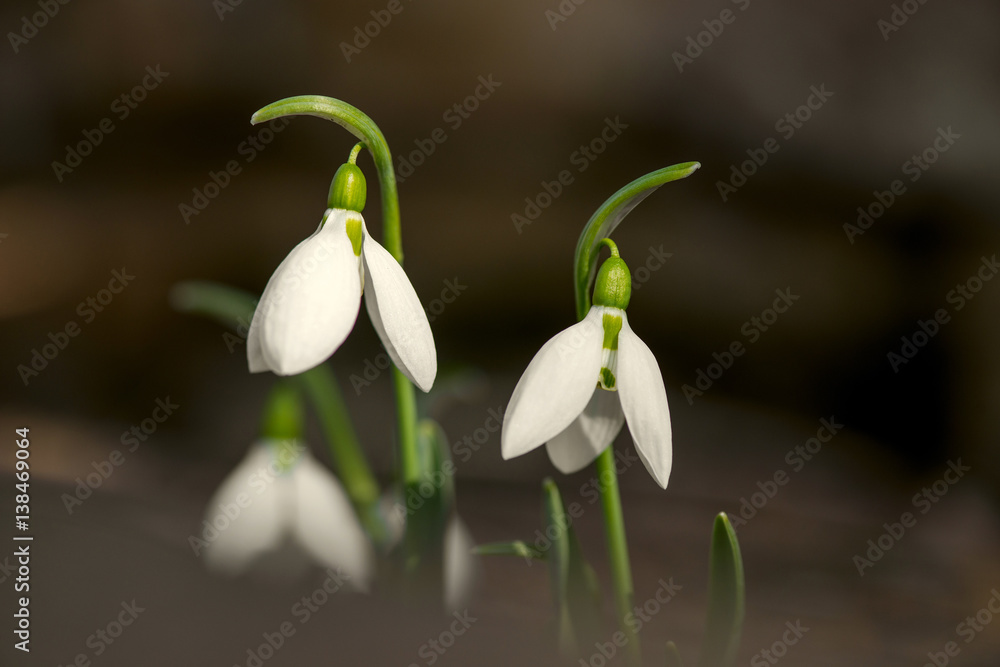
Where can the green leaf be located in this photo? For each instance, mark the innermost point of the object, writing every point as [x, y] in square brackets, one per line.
[608, 216]
[575, 589]
[513, 548]
[726, 598]
[673, 656]
[430, 502]
[226, 305]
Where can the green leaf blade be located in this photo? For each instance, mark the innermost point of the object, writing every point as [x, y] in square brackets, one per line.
[726, 597]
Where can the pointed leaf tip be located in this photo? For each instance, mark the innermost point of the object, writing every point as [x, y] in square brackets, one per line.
[726, 597]
[673, 658]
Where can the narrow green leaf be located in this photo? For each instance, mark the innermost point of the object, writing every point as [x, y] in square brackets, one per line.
[227, 305]
[430, 502]
[726, 598]
[575, 589]
[607, 217]
[673, 656]
[513, 548]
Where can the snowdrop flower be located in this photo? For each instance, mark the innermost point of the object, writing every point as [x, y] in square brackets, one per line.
[280, 492]
[589, 380]
[312, 300]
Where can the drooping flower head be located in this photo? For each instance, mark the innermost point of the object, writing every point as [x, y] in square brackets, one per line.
[280, 494]
[313, 298]
[589, 380]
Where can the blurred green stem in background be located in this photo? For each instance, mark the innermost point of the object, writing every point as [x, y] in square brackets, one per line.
[321, 386]
[600, 226]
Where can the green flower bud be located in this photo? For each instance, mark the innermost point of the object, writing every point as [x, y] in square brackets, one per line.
[283, 414]
[613, 287]
[348, 189]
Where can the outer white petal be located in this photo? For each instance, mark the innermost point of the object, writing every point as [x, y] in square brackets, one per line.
[325, 523]
[589, 434]
[257, 528]
[644, 400]
[310, 303]
[397, 315]
[461, 567]
[555, 388]
[255, 355]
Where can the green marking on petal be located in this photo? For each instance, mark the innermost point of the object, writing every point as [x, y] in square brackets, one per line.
[354, 233]
[607, 379]
[612, 325]
[286, 453]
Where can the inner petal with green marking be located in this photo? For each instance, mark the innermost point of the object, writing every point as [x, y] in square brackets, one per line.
[612, 321]
[355, 233]
[286, 454]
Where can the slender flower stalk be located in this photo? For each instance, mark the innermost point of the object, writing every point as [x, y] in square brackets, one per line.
[601, 224]
[361, 126]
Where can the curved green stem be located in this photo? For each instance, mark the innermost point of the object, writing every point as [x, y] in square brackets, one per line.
[364, 128]
[607, 217]
[595, 234]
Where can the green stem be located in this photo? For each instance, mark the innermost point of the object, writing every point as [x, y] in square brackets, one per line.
[595, 233]
[621, 571]
[321, 386]
[607, 217]
[364, 128]
[406, 416]
[345, 450]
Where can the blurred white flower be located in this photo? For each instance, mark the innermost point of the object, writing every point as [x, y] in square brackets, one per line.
[461, 566]
[280, 493]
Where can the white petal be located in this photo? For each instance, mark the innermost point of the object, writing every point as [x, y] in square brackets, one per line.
[644, 400]
[310, 303]
[555, 388]
[589, 434]
[244, 530]
[461, 567]
[397, 315]
[392, 509]
[325, 523]
[255, 356]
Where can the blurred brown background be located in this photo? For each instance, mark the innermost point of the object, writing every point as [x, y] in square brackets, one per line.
[202, 68]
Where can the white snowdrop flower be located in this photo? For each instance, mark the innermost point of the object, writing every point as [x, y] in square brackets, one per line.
[589, 380]
[312, 300]
[280, 492]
